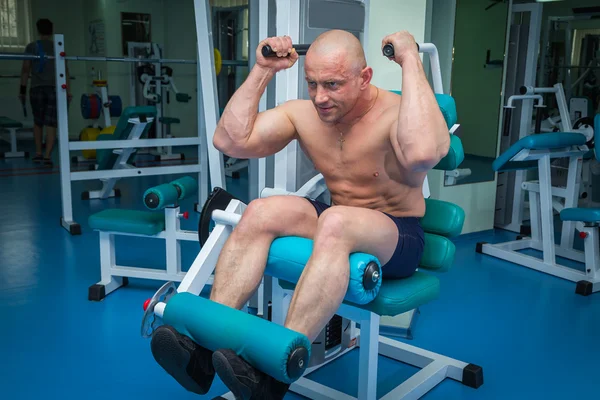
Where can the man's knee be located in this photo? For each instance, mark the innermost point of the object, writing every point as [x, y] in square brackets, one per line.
[260, 216]
[333, 223]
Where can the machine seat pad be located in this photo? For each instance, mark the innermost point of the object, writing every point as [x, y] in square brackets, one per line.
[169, 120]
[589, 215]
[288, 256]
[128, 221]
[540, 141]
[397, 296]
[6, 122]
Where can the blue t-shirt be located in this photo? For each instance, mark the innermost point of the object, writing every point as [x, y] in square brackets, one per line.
[45, 77]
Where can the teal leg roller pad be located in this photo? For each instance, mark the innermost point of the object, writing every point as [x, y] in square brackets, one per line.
[187, 185]
[288, 257]
[160, 196]
[272, 348]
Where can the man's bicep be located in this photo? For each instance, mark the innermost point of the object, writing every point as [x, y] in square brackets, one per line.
[272, 131]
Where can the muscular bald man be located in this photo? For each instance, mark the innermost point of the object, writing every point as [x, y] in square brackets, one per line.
[373, 148]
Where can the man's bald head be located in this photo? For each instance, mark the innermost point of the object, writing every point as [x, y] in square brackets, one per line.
[337, 47]
[337, 75]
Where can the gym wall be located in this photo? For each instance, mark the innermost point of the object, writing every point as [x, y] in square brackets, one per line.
[386, 17]
[475, 88]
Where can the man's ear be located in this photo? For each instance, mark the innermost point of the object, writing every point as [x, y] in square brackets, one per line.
[367, 75]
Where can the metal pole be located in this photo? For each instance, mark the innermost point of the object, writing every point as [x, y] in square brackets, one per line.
[253, 40]
[206, 64]
[63, 138]
[13, 56]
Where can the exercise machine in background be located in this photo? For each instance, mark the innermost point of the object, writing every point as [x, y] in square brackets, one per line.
[151, 83]
[207, 117]
[161, 221]
[511, 205]
[100, 108]
[538, 151]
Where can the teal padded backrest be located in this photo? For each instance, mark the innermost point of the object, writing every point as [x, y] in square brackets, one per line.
[105, 158]
[455, 156]
[443, 218]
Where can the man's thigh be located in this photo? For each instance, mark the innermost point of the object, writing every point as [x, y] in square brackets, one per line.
[285, 215]
[396, 242]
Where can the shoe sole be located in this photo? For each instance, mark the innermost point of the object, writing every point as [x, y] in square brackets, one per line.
[169, 354]
[227, 375]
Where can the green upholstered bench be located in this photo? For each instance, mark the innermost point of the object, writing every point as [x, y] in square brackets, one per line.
[128, 221]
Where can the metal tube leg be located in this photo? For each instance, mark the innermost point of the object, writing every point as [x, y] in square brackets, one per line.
[108, 283]
[369, 343]
[173, 250]
[546, 210]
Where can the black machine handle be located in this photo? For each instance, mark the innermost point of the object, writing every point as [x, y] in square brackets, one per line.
[301, 49]
[538, 120]
[388, 50]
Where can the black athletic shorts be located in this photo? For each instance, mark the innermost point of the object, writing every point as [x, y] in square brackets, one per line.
[43, 105]
[409, 249]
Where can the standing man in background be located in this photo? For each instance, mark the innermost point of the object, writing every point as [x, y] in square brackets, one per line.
[42, 93]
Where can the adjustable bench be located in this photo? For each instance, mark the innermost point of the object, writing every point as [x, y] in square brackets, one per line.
[151, 224]
[11, 126]
[133, 124]
[289, 356]
[537, 151]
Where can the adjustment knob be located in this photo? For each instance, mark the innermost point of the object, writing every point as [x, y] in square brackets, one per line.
[146, 304]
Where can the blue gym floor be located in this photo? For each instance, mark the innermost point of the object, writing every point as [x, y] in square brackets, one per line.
[533, 336]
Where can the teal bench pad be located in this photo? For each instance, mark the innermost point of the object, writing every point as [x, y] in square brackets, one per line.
[6, 122]
[397, 296]
[128, 221]
[589, 215]
[541, 141]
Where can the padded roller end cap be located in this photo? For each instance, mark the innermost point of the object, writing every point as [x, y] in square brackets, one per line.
[371, 276]
[297, 363]
[152, 201]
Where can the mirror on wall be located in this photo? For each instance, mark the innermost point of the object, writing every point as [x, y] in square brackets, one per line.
[480, 31]
[570, 54]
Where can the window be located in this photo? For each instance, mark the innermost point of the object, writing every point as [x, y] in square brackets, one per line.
[14, 25]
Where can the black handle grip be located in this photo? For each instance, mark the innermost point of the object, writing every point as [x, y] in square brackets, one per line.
[301, 49]
[507, 118]
[388, 50]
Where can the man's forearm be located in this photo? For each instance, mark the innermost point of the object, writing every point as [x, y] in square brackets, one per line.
[422, 132]
[241, 111]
